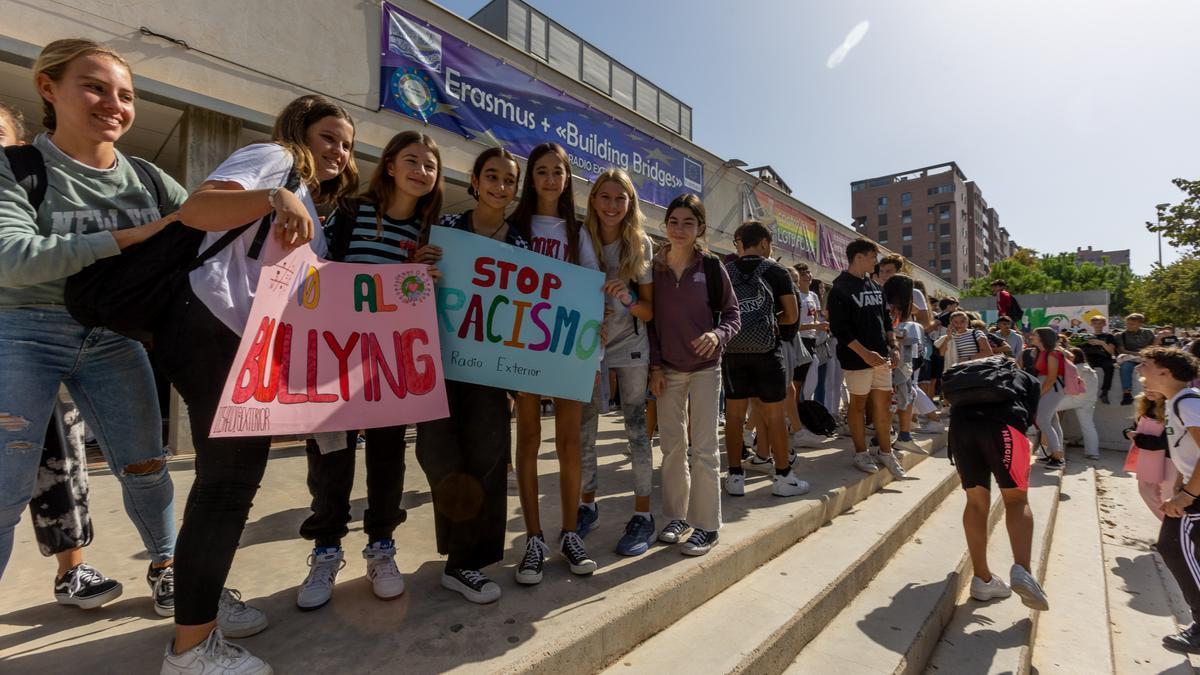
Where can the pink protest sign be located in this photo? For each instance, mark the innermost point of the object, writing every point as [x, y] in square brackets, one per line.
[334, 347]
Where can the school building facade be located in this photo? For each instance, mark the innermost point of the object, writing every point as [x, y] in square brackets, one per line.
[211, 76]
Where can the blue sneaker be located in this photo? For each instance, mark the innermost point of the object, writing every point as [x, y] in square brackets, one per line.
[586, 519]
[639, 533]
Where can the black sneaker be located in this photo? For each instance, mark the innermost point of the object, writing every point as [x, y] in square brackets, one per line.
[529, 572]
[1127, 399]
[571, 547]
[1104, 397]
[700, 542]
[85, 587]
[1186, 641]
[472, 584]
[674, 531]
[162, 589]
[1055, 463]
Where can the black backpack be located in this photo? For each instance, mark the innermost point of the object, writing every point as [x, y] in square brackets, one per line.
[129, 293]
[712, 282]
[980, 382]
[759, 333]
[1015, 312]
[814, 417]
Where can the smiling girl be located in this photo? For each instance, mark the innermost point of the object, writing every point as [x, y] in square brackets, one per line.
[545, 217]
[383, 225]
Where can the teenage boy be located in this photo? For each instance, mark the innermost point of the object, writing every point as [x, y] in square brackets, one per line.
[1167, 372]
[1004, 299]
[985, 441]
[1012, 338]
[754, 365]
[1100, 350]
[867, 352]
[1130, 342]
[947, 306]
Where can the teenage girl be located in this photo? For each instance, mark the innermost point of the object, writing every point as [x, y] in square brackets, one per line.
[687, 339]
[89, 104]
[383, 225]
[614, 225]
[312, 140]
[1050, 367]
[466, 463]
[545, 217]
[1150, 453]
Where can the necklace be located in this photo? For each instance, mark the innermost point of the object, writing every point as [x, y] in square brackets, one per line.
[492, 234]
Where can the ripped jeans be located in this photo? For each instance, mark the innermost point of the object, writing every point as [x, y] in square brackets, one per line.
[109, 378]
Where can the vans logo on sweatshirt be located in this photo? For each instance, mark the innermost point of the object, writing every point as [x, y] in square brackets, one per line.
[99, 220]
[868, 298]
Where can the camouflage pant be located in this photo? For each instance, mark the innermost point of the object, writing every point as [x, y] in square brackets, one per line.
[59, 507]
[632, 383]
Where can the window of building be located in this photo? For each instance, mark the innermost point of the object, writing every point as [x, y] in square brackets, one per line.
[940, 189]
[622, 86]
[882, 204]
[929, 210]
[906, 251]
[944, 212]
[537, 35]
[932, 227]
[595, 69]
[946, 267]
[883, 220]
[906, 199]
[945, 230]
[906, 233]
[668, 112]
[518, 25]
[564, 51]
[647, 99]
[883, 236]
[933, 246]
[906, 216]
[685, 121]
[945, 248]
[933, 263]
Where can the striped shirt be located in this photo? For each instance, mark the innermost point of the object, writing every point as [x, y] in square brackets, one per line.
[966, 344]
[366, 244]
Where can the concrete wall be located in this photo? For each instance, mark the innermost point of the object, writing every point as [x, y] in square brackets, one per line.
[1073, 299]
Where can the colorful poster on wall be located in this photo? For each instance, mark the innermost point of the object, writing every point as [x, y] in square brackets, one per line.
[334, 347]
[793, 230]
[1074, 318]
[438, 79]
[516, 319]
[833, 248]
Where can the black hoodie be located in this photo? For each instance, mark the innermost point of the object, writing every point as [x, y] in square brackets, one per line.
[858, 311]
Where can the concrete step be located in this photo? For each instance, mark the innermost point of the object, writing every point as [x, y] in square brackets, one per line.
[893, 625]
[997, 637]
[759, 623]
[1074, 638]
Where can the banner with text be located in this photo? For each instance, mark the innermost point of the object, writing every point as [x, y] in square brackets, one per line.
[515, 319]
[833, 248]
[794, 231]
[436, 78]
[334, 347]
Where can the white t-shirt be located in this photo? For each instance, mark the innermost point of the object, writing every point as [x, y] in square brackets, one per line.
[628, 344]
[549, 237]
[919, 300]
[1184, 452]
[810, 312]
[226, 282]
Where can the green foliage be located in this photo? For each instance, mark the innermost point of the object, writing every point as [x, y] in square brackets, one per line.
[1171, 294]
[1056, 273]
[1181, 222]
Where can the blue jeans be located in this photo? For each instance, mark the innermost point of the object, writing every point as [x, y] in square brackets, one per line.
[1127, 375]
[109, 378]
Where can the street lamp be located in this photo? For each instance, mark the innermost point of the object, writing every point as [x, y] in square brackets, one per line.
[1160, 208]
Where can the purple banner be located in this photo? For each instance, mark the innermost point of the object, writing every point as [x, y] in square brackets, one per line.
[434, 77]
[833, 248]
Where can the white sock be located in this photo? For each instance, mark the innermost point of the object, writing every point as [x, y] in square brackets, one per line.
[591, 506]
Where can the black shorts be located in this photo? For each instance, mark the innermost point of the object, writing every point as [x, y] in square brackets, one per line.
[760, 376]
[984, 448]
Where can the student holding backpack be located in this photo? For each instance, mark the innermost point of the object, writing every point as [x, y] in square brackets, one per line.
[695, 316]
[1051, 369]
[308, 161]
[81, 200]
[754, 366]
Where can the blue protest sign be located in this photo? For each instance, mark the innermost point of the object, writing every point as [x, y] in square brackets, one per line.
[518, 320]
[434, 77]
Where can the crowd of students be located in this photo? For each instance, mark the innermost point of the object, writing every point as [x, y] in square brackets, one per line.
[689, 338]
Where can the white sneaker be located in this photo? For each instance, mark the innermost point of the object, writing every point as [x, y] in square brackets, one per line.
[213, 656]
[386, 580]
[807, 439]
[236, 619]
[735, 485]
[1024, 585]
[891, 462]
[759, 464]
[931, 427]
[318, 585]
[747, 438]
[789, 485]
[908, 446]
[862, 462]
[987, 590]
[512, 480]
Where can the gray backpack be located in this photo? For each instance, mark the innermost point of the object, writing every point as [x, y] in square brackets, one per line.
[756, 304]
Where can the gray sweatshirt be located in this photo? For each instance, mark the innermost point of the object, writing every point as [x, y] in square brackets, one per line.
[38, 251]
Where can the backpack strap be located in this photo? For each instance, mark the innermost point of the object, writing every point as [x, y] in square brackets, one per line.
[29, 168]
[716, 290]
[1175, 407]
[150, 179]
[340, 229]
[291, 184]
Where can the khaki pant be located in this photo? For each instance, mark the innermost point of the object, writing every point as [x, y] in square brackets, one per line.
[691, 493]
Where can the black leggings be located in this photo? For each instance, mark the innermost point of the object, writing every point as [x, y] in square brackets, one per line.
[196, 352]
[1105, 364]
[465, 458]
[331, 478]
[1179, 546]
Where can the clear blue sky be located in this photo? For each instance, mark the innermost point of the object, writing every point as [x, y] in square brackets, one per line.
[1073, 116]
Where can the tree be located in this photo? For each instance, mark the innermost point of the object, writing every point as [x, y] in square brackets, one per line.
[1171, 294]
[1026, 273]
[1181, 222]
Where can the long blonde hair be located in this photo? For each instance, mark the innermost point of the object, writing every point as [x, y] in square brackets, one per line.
[1144, 406]
[291, 128]
[57, 56]
[632, 260]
